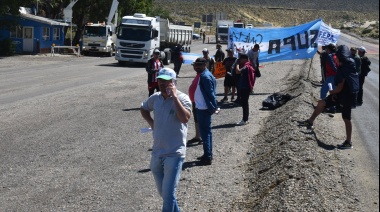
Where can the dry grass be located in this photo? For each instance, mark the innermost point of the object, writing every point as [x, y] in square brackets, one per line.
[192, 11]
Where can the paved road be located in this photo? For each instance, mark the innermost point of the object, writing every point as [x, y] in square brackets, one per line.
[366, 117]
[56, 113]
[69, 134]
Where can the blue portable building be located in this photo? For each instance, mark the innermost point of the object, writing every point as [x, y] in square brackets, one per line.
[33, 34]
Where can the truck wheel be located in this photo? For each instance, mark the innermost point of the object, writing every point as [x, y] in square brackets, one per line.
[121, 63]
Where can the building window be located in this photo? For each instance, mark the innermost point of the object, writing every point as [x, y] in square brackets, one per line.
[16, 32]
[56, 34]
[46, 33]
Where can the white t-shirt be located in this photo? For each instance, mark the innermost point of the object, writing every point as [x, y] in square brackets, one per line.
[200, 102]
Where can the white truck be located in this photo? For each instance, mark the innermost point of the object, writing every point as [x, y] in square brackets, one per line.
[138, 36]
[239, 25]
[101, 37]
[221, 32]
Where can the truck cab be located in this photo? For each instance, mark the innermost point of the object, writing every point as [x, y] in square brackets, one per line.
[98, 38]
[239, 25]
[137, 37]
[249, 26]
[222, 28]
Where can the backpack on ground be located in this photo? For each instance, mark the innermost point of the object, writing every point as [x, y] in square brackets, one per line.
[275, 101]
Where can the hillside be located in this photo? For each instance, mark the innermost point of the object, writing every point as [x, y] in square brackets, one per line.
[280, 13]
[338, 5]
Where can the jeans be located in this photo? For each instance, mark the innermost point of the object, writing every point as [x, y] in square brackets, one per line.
[325, 86]
[166, 172]
[244, 103]
[204, 123]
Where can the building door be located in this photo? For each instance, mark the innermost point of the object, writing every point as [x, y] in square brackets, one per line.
[28, 39]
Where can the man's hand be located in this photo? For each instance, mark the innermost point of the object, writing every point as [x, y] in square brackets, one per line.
[171, 90]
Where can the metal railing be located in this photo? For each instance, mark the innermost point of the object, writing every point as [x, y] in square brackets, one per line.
[77, 52]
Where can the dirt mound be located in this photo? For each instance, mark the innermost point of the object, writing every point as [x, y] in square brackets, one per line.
[293, 169]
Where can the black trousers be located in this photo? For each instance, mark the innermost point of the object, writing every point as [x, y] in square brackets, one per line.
[245, 93]
[238, 93]
[360, 94]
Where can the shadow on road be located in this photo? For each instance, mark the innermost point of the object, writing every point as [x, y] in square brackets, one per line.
[186, 165]
[319, 142]
[131, 109]
[224, 126]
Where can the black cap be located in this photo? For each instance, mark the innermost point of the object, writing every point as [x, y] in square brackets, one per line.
[229, 50]
[200, 60]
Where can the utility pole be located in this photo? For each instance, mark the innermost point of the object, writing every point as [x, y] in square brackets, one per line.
[68, 13]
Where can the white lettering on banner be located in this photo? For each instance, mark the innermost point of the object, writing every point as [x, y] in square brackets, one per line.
[328, 35]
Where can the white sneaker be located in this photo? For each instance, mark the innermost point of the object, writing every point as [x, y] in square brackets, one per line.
[242, 122]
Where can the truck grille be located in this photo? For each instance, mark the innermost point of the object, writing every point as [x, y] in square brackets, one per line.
[131, 52]
[132, 45]
[131, 56]
[93, 44]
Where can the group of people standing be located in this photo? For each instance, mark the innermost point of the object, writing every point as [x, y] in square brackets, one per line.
[172, 110]
[344, 69]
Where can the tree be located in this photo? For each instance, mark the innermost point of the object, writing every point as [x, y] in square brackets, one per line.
[97, 10]
[83, 11]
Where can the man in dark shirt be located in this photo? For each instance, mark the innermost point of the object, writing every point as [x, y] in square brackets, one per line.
[229, 82]
[365, 69]
[153, 66]
[219, 55]
[344, 95]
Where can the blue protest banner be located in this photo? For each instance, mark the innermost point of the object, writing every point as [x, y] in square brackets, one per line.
[277, 44]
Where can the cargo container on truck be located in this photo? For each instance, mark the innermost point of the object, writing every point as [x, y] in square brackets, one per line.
[138, 36]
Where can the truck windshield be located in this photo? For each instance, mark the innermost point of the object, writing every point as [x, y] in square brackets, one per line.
[93, 31]
[223, 30]
[134, 33]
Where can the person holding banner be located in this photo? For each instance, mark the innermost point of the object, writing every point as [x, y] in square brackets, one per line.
[331, 67]
[246, 83]
[322, 56]
[229, 82]
[344, 95]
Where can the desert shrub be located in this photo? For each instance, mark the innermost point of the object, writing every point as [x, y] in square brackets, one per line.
[366, 31]
[7, 48]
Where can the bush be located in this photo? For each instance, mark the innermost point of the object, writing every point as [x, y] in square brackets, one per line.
[7, 48]
[366, 31]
